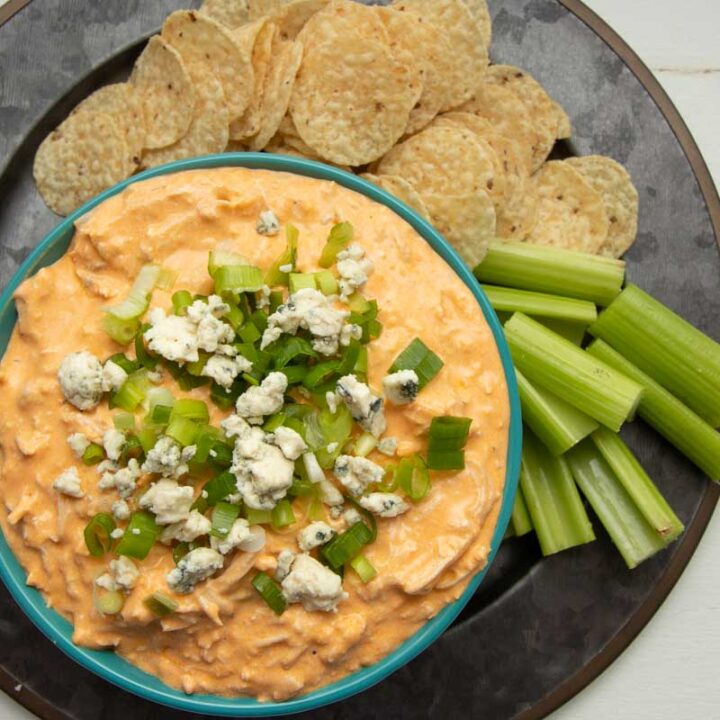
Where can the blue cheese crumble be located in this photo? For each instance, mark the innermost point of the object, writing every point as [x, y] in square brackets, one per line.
[387, 505]
[268, 223]
[264, 399]
[365, 407]
[68, 483]
[312, 584]
[357, 473]
[168, 501]
[401, 387]
[315, 534]
[81, 379]
[196, 566]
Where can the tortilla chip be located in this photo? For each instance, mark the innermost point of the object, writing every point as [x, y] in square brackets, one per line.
[571, 213]
[249, 123]
[479, 10]
[464, 57]
[401, 189]
[352, 99]
[418, 44]
[83, 156]
[467, 221]
[166, 92]
[260, 8]
[202, 40]
[546, 114]
[508, 114]
[516, 220]
[619, 196]
[292, 18]
[124, 105]
[279, 83]
[235, 146]
[230, 13]
[442, 160]
[281, 149]
[208, 131]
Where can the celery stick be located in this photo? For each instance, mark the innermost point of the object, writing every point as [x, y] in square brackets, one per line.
[666, 347]
[639, 486]
[630, 532]
[540, 305]
[553, 363]
[556, 510]
[520, 521]
[558, 272]
[557, 424]
[676, 422]
[574, 332]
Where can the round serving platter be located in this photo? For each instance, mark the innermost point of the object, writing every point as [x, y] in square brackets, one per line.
[539, 629]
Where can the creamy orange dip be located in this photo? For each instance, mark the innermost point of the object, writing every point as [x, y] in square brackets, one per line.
[223, 638]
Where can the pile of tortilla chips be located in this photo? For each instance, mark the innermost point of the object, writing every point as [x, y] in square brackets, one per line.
[403, 94]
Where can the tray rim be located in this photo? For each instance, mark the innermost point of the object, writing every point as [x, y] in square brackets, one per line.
[574, 684]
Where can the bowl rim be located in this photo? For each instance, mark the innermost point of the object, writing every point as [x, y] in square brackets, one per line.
[115, 669]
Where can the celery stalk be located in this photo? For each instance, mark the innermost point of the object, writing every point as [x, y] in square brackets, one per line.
[557, 424]
[520, 521]
[549, 270]
[639, 486]
[555, 507]
[676, 422]
[540, 304]
[554, 363]
[666, 347]
[574, 332]
[632, 535]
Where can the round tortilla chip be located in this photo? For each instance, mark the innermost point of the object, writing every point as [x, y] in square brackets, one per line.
[546, 114]
[208, 131]
[202, 40]
[508, 114]
[166, 92]
[464, 58]
[401, 189]
[481, 14]
[282, 149]
[124, 105]
[571, 213]
[351, 100]
[230, 13]
[516, 221]
[467, 221]
[442, 160]
[422, 47]
[262, 47]
[284, 66]
[619, 196]
[260, 8]
[292, 18]
[83, 156]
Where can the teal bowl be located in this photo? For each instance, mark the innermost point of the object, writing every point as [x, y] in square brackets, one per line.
[117, 670]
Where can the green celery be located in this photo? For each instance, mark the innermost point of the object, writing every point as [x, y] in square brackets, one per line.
[574, 332]
[554, 363]
[541, 304]
[520, 521]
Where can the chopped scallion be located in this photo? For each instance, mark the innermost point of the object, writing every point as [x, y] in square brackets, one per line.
[275, 276]
[139, 537]
[341, 235]
[223, 516]
[98, 539]
[93, 454]
[364, 568]
[160, 604]
[418, 357]
[238, 278]
[270, 592]
[412, 477]
[282, 514]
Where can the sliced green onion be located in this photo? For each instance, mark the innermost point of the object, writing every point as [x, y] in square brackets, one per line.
[341, 235]
[295, 374]
[553, 363]
[196, 367]
[274, 422]
[166, 279]
[365, 444]
[418, 357]
[124, 421]
[258, 517]
[223, 516]
[121, 331]
[219, 487]
[628, 529]
[540, 304]
[557, 512]
[282, 514]
[147, 438]
[550, 270]
[144, 357]
[160, 604]
[98, 539]
[139, 537]
[249, 333]
[109, 602]
[326, 282]
[180, 551]
[122, 360]
[347, 545]
[183, 431]
[520, 520]
[669, 349]
[557, 424]
[276, 300]
[291, 348]
[676, 422]
[159, 396]
[238, 278]
[298, 281]
[235, 317]
[303, 488]
[161, 414]
[133, 448]
[132, 392]
[220, 455]
[413, 478]
[190, 409]
[448, 432]
[181, 301]
[321, 373]
[224, 399]
[93, 454]
[219, 258]
[136, 303]
[364, 568]
[332, 428]
[274, 276]
[270, 592]
[206, 438]
[639, 486]
[350, 357]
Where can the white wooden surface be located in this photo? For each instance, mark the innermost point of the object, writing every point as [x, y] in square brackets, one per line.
[670, 671]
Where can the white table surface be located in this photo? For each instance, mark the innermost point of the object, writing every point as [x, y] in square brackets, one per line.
[670, 671]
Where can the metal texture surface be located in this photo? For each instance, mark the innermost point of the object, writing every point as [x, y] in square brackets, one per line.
[538, 630]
